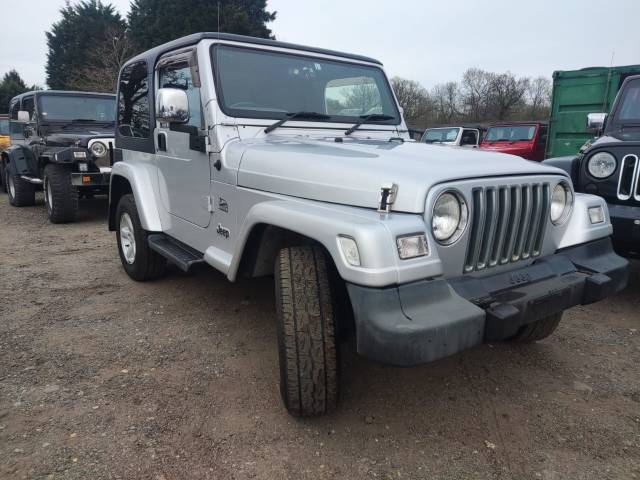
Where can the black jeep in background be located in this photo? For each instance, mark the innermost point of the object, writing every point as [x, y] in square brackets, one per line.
[61, 142]
[609, 165]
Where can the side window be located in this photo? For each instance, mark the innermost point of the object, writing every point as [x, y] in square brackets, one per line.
[29, 105]
[13, 110]
[542, 136]
[469, 137]
[178, 75]
[133, 102]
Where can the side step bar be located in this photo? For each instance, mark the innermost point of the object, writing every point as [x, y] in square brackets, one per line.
[183, 256]
[35, 181]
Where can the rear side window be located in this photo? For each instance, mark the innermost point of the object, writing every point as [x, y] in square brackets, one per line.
[133, 102]
[13, 110]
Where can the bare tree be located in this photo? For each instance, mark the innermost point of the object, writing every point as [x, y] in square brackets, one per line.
[507, 95]
[539, 97]
[475, 91]
[414, 100]
[446, 97]
[100, 72]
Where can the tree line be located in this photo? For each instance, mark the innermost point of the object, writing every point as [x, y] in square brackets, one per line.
[91, 41]
[480, 97]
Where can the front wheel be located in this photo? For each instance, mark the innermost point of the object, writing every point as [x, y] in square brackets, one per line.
[60, 196]
[306, 329]
[139, 261]
[539, 329]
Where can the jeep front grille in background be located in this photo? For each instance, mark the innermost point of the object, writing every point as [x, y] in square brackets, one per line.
[507, 224]
[629, 183]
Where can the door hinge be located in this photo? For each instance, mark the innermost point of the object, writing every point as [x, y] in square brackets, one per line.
[209, 204]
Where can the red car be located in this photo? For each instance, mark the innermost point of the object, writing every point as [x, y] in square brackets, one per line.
[525, 139]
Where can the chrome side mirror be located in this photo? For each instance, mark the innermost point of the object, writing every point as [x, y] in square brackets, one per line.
[595, 121]
[23, 116]
[172, 105]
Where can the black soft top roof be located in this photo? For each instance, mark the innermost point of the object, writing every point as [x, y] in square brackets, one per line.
[62, 92]
[151, 56]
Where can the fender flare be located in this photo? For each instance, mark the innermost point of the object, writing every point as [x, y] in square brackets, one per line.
[141, 186]
[19, 157]
[324, 224]
[569, 164]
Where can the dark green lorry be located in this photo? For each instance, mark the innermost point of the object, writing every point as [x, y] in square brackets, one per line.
[575, 94]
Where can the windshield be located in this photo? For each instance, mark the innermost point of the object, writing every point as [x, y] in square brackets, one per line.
[512, 133]
[4, 126]
[265, 84]
[629, 110]
[67, 108]
[444, 135]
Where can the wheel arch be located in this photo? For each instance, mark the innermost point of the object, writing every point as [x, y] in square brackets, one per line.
[124, 180]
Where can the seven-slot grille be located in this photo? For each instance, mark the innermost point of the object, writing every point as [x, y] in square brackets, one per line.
[629, 181]
[507, 224]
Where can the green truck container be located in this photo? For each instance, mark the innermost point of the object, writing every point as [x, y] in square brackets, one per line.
[575, 94]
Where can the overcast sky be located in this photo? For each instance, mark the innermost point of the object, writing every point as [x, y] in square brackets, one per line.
[424, 40]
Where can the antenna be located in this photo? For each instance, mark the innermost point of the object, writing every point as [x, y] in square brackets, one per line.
[218, 29]
[605, 100]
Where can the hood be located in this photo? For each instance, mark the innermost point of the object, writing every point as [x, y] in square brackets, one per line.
[353, 171]
[520, 148]
[76, 135]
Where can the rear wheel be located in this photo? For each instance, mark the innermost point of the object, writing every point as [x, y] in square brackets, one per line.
[60, 196]
[538, 330]
[139, 261]
[305, 307]
[21, 193]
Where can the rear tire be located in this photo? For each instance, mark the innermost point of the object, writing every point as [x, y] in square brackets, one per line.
[538, 330]
[306, 331]
[21, 193]
[139, 261]
[60, 196]
[3, 182]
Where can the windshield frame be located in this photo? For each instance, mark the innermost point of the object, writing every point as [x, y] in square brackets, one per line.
[46, 120]
[274, 115]
[536, 128]
[616, 122]
[459, 129]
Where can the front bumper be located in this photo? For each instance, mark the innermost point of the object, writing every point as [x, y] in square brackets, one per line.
[626, 228]
[91, 179]
[430, 319]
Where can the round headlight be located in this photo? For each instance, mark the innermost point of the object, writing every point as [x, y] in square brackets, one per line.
[99, 149]
[449, 217]
[602, 165]
[561, 203]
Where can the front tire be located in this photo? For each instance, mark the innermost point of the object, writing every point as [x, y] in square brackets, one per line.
[306, 330]
[60, 196]
[538, 330]
[139, 261]
[21, 193]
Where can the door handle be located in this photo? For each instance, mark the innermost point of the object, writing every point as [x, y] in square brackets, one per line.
[162, 141]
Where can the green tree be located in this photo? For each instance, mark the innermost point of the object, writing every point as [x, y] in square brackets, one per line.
[73, 39]
[10, 86]
[153, 22]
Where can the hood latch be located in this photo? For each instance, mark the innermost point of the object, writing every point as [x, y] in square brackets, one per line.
[388, 193]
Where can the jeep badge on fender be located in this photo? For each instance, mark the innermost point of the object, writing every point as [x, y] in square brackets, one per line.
[423, 251]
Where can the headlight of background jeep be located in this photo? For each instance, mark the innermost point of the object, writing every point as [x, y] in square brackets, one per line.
[602, 165]
[449, 218]
[561, 203]
[99, 149]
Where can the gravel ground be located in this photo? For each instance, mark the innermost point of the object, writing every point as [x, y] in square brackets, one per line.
[101, 377]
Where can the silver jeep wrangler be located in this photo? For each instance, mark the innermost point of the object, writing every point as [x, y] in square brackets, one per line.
[265, 158]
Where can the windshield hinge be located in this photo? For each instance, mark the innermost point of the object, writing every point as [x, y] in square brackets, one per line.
[388, 193]
[209, 204]
[207, 141]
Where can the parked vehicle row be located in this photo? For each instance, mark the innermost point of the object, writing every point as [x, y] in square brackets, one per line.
[62, 143]
[307, 173]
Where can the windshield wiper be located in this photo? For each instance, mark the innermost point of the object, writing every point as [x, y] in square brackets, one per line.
[291, 116]
[366, 118]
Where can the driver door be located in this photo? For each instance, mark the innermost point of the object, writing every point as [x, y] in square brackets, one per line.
[182, 161]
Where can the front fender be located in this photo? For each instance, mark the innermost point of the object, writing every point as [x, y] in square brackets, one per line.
[21, 161]
[140, 180]
[568, 164]
[580, 229]
[375, 235]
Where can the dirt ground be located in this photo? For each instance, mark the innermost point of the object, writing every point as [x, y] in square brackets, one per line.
[102, 377]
